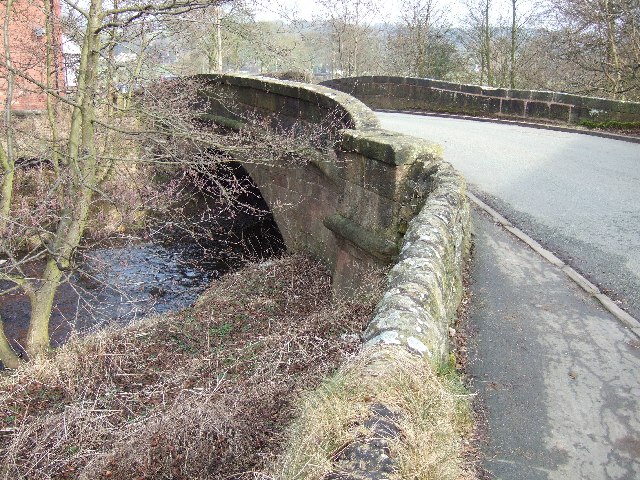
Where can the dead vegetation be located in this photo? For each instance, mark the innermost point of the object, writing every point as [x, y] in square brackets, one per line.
[206, 393]
[431, 410]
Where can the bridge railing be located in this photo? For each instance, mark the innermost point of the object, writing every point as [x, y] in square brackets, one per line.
[427, 95]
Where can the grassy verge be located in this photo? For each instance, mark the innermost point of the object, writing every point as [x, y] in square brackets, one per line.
[232, 388]
[613, 125]
[431, 410]
[206, 393]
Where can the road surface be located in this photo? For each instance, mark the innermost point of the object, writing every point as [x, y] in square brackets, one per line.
[557, 375]
[576, 194]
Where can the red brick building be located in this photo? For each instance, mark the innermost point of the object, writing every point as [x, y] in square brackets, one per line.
[28, 52]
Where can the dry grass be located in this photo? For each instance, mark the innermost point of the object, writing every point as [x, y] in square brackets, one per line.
[206, 393]
[433, 411]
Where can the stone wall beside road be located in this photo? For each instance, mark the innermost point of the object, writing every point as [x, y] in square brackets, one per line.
[422, 94]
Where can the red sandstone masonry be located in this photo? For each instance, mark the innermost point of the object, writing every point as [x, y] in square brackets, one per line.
[369, 199]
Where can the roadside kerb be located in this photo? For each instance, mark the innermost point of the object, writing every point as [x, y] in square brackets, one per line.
[592, 290]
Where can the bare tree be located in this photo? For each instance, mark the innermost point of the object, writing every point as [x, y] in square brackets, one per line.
[524, 23]
[602, 38]
[421, 45]
[478, 38]
[350, 24]
[87, 141]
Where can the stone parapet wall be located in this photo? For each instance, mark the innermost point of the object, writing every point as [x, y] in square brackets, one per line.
[242, 97]
[421, 94]
[368, 200]
[425, 283]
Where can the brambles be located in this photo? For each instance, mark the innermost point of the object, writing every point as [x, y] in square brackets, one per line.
[205, 393]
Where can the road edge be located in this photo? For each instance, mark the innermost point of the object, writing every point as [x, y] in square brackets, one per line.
[589, 288]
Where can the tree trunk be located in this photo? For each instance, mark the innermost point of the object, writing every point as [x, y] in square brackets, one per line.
[41, 306]
[615, 77]
[487, 42]
[218, 41]
[7, 355]
[83, 163]
[8, 174]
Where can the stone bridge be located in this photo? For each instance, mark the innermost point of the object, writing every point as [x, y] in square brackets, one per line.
[365, 200]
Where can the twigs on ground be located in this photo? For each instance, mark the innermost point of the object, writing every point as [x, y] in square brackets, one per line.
[205, 393]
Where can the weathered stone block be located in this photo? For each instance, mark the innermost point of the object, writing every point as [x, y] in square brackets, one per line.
[439, 84]
[266, 102]
[537, 109]
[350, 167]
[376, 244]
[447, 97]
[560, 112]
[390, 147]
[354, 268]
[430, 97]
[566, 98]
[519, 94]
[512, 107]
[472, 89]
[492, 105]
[493, 91]
[370, 210]
[386, 180]
[472, 103]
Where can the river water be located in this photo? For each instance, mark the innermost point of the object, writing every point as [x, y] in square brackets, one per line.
[118, 284]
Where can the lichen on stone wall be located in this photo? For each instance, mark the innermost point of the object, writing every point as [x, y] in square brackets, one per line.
[425, 285]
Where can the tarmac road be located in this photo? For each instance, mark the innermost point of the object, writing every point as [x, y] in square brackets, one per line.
[576, 194]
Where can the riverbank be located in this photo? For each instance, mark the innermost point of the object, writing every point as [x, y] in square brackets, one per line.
[215, 390]
[205, 393]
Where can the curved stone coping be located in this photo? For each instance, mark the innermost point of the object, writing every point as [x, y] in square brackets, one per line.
[436, 95]
[350, 111]
[425, 285]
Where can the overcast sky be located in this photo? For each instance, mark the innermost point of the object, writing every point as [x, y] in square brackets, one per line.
[306, 9]
[454, 10]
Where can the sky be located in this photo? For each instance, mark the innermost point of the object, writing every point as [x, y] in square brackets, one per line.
[389, 9]
[306, 9]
